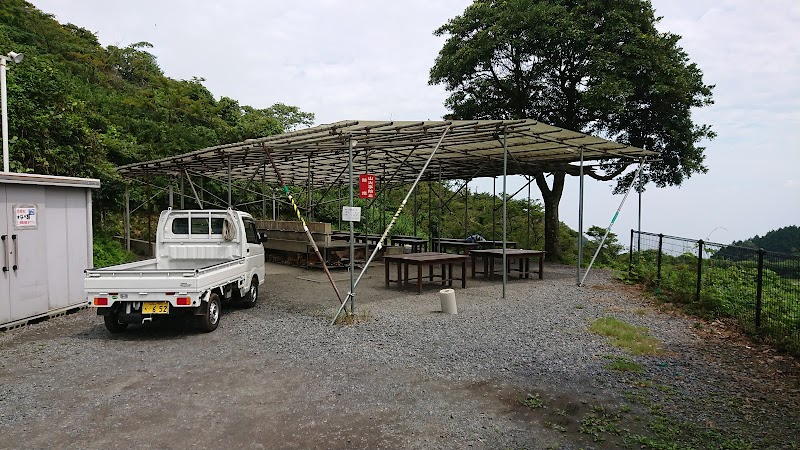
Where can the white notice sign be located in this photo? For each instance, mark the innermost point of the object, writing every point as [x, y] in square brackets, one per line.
[25, 216]
[351, 214]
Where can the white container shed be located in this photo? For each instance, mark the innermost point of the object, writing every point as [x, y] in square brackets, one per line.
[46, 239]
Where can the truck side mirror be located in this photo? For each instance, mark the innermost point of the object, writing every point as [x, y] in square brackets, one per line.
[262, 237]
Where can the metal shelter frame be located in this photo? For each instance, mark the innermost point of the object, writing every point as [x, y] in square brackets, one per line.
[399, 152]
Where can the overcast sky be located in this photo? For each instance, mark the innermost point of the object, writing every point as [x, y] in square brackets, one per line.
[368, 59]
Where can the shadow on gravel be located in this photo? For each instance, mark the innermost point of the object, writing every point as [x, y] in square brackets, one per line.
[167, 328]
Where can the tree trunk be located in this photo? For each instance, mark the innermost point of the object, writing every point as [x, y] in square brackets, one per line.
[552, 226]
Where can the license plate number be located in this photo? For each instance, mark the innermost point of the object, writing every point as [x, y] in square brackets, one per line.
[155, 308]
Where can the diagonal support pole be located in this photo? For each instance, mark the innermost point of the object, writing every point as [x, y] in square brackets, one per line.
[305, 227]
[391, 224]
[608, 230]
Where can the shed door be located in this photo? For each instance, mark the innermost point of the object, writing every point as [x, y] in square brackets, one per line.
[26, 245]
[5, 275]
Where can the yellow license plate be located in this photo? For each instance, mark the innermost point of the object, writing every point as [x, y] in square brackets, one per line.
[155, 308]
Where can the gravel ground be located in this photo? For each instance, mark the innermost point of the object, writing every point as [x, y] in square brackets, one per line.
[405, 376]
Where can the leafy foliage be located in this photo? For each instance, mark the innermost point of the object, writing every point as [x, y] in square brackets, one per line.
[593, 66]
[79, 109]
[784, 240]
[728, 289]
[109, 251]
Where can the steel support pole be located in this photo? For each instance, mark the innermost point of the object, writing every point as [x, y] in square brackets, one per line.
[430, 216]
[230, 203]
[274, 202]
[196, 196]
[183, 196]
[308, 191]
[264, 190]
[149, 221]
[391, 223]
[415, 213]
[580, 223]
[352, 232]
[169, 194]
[4, 102]
[466, 205]
[494, 207]
[528, 237]
[699, 286]
[305, 226]
[639, 226]
[505, 211]
[608, 230]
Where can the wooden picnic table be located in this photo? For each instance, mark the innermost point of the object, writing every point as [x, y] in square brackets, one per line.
[522, 256]
[497, 244]
[418, 245]
[460, 245]
[429, 259]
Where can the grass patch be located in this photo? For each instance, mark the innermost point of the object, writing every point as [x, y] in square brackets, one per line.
[533, 401]
[600, 423]
[622, 364]
[635, 339]
[345, 318]
[556, 427]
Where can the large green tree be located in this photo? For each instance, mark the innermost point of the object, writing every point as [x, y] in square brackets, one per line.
[595, 66]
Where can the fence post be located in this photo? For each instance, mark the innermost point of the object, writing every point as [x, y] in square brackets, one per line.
[759, 285]
[630, 255]
[699, 269]
[660, 243]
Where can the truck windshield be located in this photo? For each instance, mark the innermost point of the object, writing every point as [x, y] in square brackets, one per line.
[180, 225]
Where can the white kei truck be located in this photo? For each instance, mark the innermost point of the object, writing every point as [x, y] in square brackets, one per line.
[202, 258]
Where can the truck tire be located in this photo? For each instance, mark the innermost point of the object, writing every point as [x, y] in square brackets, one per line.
[209, 321]
[113, 324]
[251, 298]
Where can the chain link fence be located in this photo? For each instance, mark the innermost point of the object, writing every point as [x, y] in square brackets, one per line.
[759, 288]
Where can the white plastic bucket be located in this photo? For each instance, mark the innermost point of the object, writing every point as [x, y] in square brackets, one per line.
[447, 297]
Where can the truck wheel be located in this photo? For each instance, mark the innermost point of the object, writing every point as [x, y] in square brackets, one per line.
[113, 325]
[210, 320]
[252, 294]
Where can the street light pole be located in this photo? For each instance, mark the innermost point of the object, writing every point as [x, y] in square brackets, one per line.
[17, 58]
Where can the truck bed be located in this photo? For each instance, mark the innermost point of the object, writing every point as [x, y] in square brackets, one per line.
[148, 276]
[166, 265]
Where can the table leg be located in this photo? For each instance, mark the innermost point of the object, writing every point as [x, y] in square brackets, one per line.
[541, 267]
[430, 272]
[473, 259]
[419, 279]
[450, 275]
[486, 265]
[405, 273]
[386, 270]
[491, 268]
[522, 267]
[399, 276]
[464, 274]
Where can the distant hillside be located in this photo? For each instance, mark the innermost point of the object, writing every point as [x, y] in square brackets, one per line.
[784, 240]
[77, 108]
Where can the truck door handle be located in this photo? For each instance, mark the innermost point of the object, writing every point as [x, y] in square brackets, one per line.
[16, 252]
[248, 250]
[5, 250]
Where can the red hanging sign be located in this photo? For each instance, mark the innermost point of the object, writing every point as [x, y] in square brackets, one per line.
[366, 186]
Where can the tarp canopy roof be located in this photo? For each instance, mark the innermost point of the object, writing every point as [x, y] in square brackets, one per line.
[398, 149]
